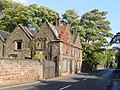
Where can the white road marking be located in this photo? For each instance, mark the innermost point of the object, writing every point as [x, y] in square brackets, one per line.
[65, 87]
[84, 79]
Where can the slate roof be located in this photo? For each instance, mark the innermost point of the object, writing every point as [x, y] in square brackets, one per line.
[4, 35]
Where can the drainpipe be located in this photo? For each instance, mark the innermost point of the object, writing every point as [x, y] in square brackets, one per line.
[4, 45]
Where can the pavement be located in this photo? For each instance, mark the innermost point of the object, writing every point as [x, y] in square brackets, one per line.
[116, 85]
[116, 80]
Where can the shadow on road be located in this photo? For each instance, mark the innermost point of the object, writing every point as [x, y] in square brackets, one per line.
[114, 82]
[85, 81]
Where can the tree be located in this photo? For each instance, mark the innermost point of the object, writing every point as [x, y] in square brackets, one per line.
[71, 17]
[32, 16]
[39, 14]
[95, 30]
[109, 58]
[116, 40]
[96, 58]
[12, 14]
[118, 58]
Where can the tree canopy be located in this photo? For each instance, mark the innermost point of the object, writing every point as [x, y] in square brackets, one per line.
[93, 26]
[95, 31]
[32, 16]
[12, 14]
[39, 14]
[72, 18]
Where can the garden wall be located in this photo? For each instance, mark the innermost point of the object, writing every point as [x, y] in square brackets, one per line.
[19, 71]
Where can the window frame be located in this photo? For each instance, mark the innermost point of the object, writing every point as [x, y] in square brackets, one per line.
[18, 43]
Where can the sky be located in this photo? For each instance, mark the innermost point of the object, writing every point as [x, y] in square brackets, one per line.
[83, 6]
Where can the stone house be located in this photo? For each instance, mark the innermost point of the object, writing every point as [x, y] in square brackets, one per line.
[58, 44]
[18, 43]
[3, 37]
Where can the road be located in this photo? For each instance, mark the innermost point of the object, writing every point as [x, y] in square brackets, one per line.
[90, 81]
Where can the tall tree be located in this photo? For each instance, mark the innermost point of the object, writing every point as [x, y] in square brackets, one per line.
[72, 18]
[118, 58]
[12, 14]
[39, 14]
[95, 30]
[116, 40]
[32, 16]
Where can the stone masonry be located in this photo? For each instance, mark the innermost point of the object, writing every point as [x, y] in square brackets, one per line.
[20, 71]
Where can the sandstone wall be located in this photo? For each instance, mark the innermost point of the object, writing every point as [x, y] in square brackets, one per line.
[20, 71]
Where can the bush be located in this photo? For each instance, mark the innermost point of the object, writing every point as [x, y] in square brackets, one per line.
[39, 57]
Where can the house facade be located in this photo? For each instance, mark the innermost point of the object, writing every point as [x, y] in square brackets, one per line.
[3, 37]
[18, 43]
[58, 44]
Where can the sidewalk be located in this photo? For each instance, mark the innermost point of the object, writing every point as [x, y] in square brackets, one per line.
[116, 80]
[116, 84]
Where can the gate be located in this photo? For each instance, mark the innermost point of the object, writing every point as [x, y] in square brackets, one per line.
[49, 69]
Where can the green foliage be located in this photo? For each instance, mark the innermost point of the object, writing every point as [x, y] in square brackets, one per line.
[95, 30]
[39, 57]
[118, 58]
[32, 16]
[92, 27]
[109, 55]
[39, 14]
[12, 14]
[71, 17]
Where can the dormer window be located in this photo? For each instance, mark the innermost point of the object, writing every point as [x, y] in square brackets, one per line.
[18, 44]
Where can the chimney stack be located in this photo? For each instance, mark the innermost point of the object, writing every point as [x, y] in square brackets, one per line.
[58, 22]
[75, 32]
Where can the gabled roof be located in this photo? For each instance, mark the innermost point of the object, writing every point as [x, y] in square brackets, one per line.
[54, 30]
[63, 33]
[60, 28]
[74, 40]
[27, 31]
[4, 35]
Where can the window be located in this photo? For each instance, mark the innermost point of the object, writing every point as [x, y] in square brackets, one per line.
[41, 43]
[64, 65]
[73, 65]
[78, 64]
[18, 44]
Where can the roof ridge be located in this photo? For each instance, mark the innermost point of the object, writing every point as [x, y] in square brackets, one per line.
[54, 31]
[26, 31]
[2, 38]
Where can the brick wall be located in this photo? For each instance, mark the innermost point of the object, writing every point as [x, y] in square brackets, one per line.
[20, 71]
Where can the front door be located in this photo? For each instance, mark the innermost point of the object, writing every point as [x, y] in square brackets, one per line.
[70, 66]
[56, 66]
